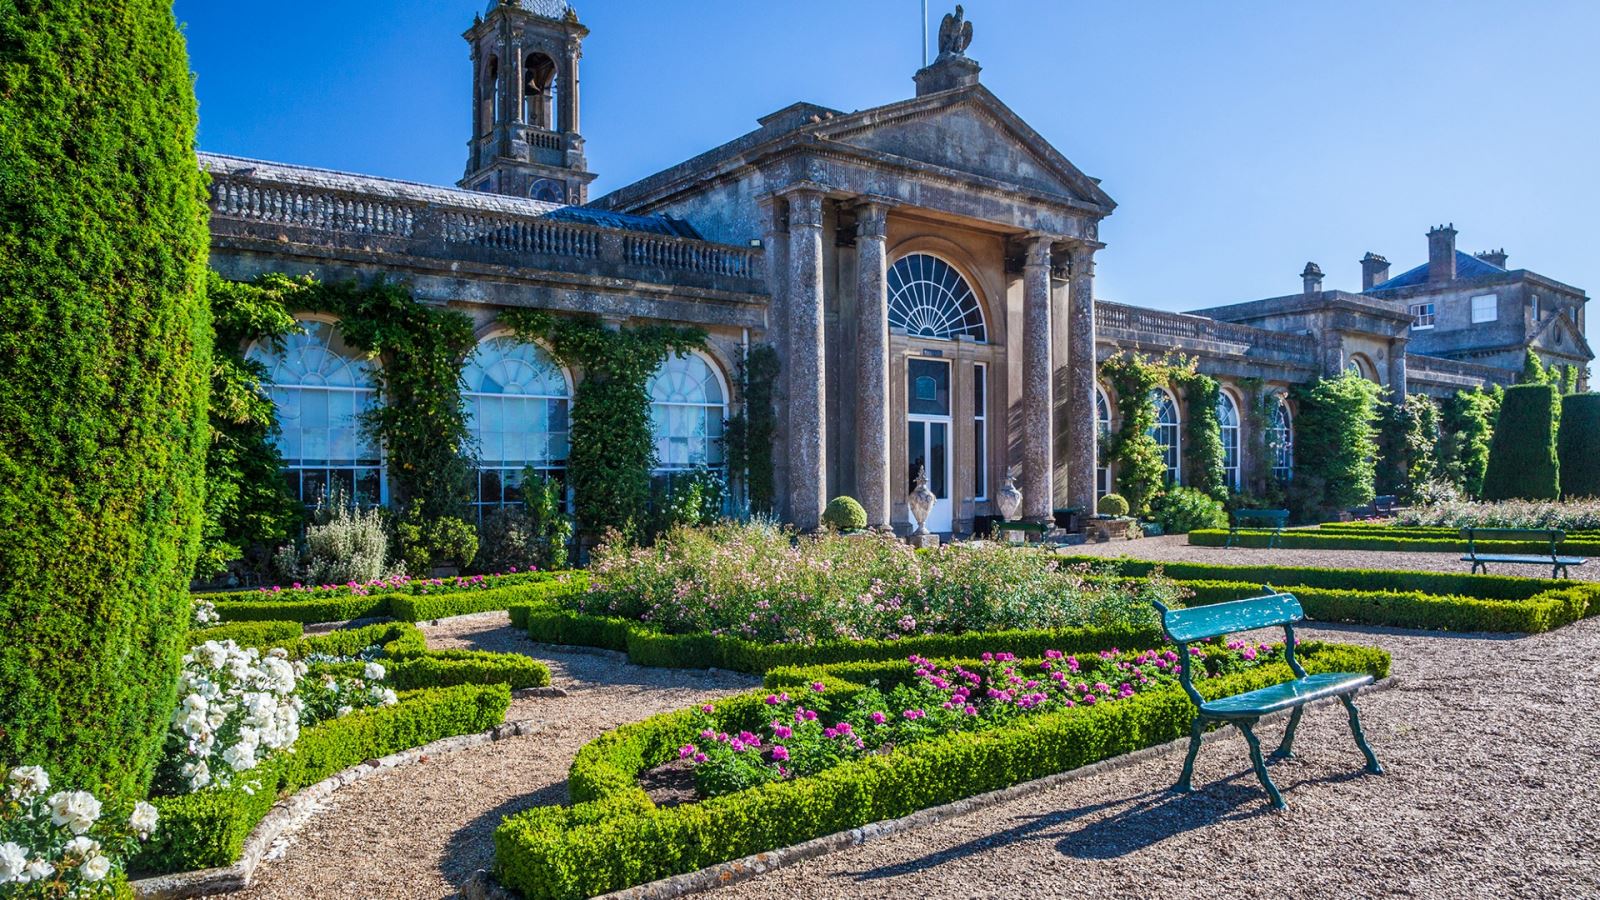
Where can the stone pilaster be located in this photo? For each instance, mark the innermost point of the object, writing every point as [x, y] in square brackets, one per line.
[808, 482]
[872, 364]
[775, 257]
[1397, 369]
[1082, 433]
[1037, 461]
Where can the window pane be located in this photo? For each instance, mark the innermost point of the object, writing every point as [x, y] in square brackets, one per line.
[980, 461]
[939, 460]
[928, 387]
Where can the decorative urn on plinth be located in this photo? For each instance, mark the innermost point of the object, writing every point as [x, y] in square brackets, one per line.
[1010, 499]
[920, 501]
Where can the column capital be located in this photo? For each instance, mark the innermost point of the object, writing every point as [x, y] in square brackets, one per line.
[805, 206]
[872, 220]
[775, 212]
[1037, 249]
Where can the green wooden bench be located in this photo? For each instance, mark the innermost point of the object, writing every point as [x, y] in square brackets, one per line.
[1183, 626]
[1025, 528]
[1557, 563]
[1275, 518]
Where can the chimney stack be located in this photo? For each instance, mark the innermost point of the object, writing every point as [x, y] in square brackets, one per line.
[1442, 253]
[1311, 276]
[1495, 258]
[1374, 271]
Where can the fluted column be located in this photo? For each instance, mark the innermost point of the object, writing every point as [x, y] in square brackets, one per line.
[1037, 463]
[872, 364]
[808, 481]
[1082, 432]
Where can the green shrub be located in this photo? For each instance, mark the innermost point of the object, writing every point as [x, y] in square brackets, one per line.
[1334, 446]
[396, 585]
[260, 635]
[425, 543]
[1183, 509]
[1113, 505]
[423, 607]
[1522, 454]
[343, 544]
[619, 839]
[1448, 542]
[1578, 448]
[1466, 423]
[844, 514]
[208, 828]
[105, 356]
[334, 609]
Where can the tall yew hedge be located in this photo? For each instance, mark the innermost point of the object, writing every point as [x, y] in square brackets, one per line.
[104, 360]
[1578, 447]
[1522, 453]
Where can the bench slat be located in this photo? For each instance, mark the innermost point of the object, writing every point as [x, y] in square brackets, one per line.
[1544, 560]
[1200, 622]
[1253, 704]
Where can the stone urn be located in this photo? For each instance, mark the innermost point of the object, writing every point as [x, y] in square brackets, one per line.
[1009, 500]
[920, 501]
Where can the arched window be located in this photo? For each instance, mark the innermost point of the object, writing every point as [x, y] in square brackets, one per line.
[517, 401]
[321, 388]
[1102, 421]
[929, 298]
[1280, 441]
[688, 404]
[1363, 367]
[1165, 431]
[539, 91]
[489, 98]
[1228, 422]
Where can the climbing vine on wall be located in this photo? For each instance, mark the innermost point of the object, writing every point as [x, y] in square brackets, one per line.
[1203, 435]
[1466, 424]
[1407, 432]
[1335, 445]
[1132, 450]
[750, 431]
[613, 450]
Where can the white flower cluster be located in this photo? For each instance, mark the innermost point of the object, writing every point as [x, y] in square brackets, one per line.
[59, 840]
[237, 707]
[205, 613]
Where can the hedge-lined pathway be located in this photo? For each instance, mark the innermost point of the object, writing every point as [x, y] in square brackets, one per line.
[1176, 548]
[420, 831]
[1490, 744]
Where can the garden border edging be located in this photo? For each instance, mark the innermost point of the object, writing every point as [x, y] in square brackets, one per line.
[290, 813]
[483, 886]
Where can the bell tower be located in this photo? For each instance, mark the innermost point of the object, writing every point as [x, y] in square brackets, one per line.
[525, 140]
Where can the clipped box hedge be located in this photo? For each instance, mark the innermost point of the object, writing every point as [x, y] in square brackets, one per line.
[414, 586]
[615, 837]
[1316, 539]
[260, 635]
[1522, 452]
[1578, 445]
[403, 606]
[208, 828]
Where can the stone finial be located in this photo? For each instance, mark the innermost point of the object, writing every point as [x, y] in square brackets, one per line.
[955, 34]
[1311, 277]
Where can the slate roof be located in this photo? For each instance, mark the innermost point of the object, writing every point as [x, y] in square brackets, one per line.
[1467, 266]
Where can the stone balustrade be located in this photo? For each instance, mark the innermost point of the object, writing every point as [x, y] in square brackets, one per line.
[1117, 322]
[1452, 371]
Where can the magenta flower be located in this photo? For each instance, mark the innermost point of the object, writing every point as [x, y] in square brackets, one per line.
[878, 718]
[818, 686]
[706, 709]
[686, 751]
[700, 757]
[780, 752]
[782, 732]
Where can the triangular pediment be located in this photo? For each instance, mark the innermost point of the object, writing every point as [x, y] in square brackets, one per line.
[1560, 334]
[967, 131]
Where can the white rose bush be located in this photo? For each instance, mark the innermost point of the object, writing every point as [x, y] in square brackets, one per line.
[237, 707]
[66, 843]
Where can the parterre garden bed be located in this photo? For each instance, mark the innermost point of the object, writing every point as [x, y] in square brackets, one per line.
[1398, 538]
[407, 601]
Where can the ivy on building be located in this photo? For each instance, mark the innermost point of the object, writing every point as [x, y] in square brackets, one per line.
[1336, 446]
[1407, 433]
[1466, 425]
[612, 446]
[1133, 450]
[750, 431]
[1203, 434]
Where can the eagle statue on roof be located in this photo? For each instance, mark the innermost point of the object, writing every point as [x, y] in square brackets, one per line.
[955, 34]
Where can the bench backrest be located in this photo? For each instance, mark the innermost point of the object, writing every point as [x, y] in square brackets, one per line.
[1262, 515]
[1385, 503]
[1554, 535]
[1198, 623]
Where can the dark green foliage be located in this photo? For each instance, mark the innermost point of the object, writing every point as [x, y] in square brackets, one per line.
[399, 604]
[1533, 371]
[208, 828]
[1522, 454]
[423, 607]
[414, 586]
[619, 838]
[105, 353]
[1334, 443]
[690, 498]
[1113, 505]
[1183, 509]
[844, 514]
[1131, 450]
[613, 451]
[247, 503]
[750, 431]
[429, 542]
[1202, 444]
[260, 635]
[1578, 447]
[545, 501]
[1466, 424]
[1407, 433]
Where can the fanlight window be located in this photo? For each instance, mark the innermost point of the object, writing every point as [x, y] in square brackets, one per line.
[687, 407]
[1165, 431]
[321, 388]
[928, 298]
[1228, 423]
[517, 402]
[1102, 421]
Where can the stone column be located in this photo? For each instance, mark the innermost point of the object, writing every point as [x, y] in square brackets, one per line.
[1037, 461]
[1397, 369]
[872, 364]
[808, 482]
[567, 116]
[775, 260]
[1082, 432]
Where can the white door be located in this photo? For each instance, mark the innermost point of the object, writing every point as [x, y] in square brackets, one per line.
[928, 435]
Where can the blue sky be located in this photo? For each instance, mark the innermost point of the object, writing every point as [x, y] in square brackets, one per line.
[1240, 139]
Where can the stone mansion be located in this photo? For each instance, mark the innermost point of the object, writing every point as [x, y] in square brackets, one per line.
[924, 270]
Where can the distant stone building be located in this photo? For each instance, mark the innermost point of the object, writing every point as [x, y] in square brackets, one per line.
[925, 270]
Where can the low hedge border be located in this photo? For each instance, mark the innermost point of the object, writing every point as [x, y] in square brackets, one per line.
[1314, 539]
[260, 635]
[405, 607]
[208, 828]
[1386, 528]
[415, 586]
[618, 838]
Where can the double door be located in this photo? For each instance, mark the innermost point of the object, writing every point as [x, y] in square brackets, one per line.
[928, 424]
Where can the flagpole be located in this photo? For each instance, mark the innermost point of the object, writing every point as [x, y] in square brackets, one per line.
[924, 34]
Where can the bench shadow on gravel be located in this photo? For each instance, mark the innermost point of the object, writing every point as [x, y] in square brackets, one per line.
[1141, 822]
[471, 846]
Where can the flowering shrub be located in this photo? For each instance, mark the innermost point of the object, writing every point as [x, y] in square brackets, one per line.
[399, 583]
[205, 613]
[237, 707]
[1568, 515]
[810, 733]
[65, 844]
[755, 581]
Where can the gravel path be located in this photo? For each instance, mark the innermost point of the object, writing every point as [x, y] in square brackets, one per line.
[1176, 548]
[420, 831]
[1492, 747]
